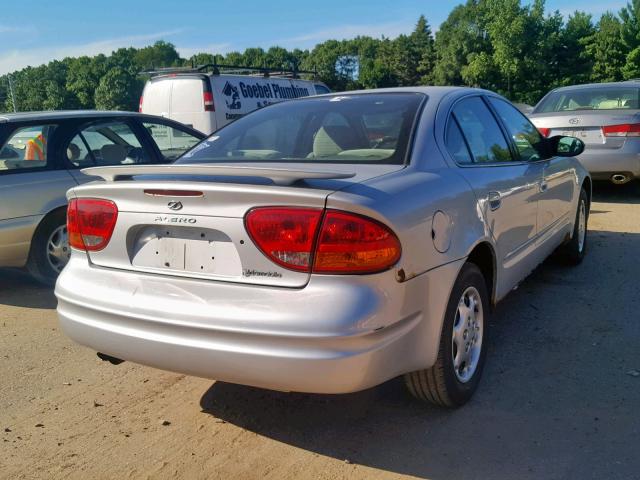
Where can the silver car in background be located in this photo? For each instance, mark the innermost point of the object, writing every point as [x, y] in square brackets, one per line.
[326, 244]
[41, 155]
[606, 117]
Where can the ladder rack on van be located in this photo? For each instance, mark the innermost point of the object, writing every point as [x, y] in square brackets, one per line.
[217, 68]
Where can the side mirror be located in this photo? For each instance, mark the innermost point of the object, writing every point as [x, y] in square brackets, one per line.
[566, 146]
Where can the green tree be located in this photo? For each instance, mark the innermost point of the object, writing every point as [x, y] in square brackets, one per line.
[234, 58]
[606, 49]
[254, 57]
[462, 37]
[278, 57]
[575, 65]
[118, 90]
[199, 59]
[83, 77]
[630, 32]
[160, 54]
[425, 46]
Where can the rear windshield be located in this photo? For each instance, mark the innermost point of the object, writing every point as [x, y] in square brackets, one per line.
[364, 128]
[596, 98]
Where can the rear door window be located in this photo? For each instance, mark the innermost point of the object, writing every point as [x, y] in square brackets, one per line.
[26, 149]
[456, 144]
[113, 143]
[172, 142]
[481, 131]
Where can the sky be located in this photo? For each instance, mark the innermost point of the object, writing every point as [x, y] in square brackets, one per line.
[38, 31]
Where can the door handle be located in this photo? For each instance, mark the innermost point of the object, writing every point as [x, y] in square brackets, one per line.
[495, 200]
[543, 186]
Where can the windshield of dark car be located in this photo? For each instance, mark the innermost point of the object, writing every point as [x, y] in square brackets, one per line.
[360, 128]
[596, 98]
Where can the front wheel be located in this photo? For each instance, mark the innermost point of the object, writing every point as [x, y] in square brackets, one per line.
[461, 355]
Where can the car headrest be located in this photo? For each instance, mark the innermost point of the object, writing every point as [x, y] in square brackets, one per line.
[73, 152]
[331, 140]
[113, 153]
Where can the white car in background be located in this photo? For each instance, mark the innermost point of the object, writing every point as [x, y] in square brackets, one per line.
[207, 101]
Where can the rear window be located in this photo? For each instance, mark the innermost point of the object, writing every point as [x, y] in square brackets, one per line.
[596, 98]
[363, 128]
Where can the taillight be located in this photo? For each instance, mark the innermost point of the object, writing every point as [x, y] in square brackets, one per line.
[140, 104]
[622, 130]
[285, 235]
[544, 131]
[343, 243]
[208, 102]
[350, 243]
[90, 223]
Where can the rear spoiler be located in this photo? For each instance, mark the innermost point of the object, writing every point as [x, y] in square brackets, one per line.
[279, 176]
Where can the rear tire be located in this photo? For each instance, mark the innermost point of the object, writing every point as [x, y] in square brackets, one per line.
[463, 344]
[572, 253]
[49, 248]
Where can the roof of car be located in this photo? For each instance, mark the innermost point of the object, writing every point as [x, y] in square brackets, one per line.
[433, 92]
[64, 114]
[633, 82]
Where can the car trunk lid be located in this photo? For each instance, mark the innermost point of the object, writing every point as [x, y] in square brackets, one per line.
[587, 125]
[188, 220]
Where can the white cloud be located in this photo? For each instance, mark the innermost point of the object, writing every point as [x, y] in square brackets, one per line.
[19, 58]
[390, 30]
[12, 29]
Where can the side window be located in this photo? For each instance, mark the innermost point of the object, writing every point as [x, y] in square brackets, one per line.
[170, 141]
[482, 132]
[114, 143]
[526, 137]
[77, 153]
[26, 148]
[456, 145]
[320, 89]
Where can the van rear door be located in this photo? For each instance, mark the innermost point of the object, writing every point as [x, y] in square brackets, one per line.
[184, 98]
[156, 97]
[192, 103]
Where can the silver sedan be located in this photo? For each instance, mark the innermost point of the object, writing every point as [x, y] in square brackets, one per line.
[326, 244]
[606, 117]
[41, 157]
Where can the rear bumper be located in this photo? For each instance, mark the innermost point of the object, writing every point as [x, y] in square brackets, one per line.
[604, 163]
[336, 335]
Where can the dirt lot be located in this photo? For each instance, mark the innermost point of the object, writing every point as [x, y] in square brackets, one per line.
[560, 398]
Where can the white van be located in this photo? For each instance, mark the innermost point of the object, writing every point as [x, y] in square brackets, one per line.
[208, 101]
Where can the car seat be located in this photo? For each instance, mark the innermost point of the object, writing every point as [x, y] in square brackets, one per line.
[329, 141]
[113, 154]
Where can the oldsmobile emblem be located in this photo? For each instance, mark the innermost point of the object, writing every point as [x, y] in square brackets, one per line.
[175, 205]
[574, 121]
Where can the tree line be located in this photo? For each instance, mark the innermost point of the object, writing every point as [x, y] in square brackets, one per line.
[517, 50]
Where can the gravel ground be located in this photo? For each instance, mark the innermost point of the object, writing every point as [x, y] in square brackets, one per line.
[560, 397]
